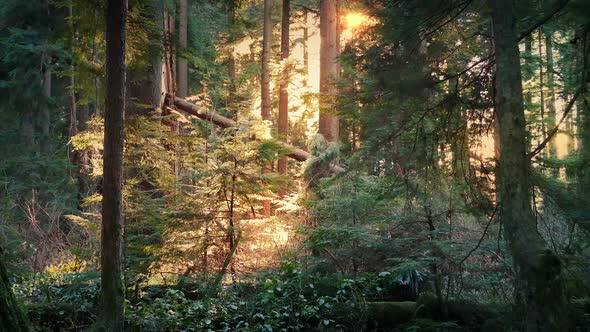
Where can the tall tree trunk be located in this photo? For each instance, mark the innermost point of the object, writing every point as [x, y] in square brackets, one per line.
[182, 41]
[528, 73]
[551, 113]
[145, 83]
[539, 271]
[542, 86]
[73, 130]
[265, 102]
[83, 159]
[112, 291]
[27, 131]
[305, 48]
[283, 88]
[460, 144]
[12, 317]
[231, 67]
[329, 68]
[266, 45]
[78, 118]
[583, 171]
[45, 120]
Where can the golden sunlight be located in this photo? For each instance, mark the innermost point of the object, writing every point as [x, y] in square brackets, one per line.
[354, 20]
[562, 143]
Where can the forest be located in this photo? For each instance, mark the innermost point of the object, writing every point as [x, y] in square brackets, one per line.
[294, 165]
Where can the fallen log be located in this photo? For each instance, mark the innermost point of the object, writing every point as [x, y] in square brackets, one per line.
[223, 122]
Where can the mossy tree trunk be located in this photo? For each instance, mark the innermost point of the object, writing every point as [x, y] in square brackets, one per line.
[539, 272]
[12, 317]
[583, 173]
[112, 291]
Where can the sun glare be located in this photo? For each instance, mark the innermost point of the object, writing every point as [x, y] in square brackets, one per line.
[353, 21]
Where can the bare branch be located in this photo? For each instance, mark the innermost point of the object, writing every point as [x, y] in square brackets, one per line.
[553, 131]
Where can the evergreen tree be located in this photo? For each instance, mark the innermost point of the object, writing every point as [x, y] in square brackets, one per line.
[112, 289]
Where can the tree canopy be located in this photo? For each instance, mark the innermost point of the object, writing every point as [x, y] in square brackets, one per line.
[383, 165]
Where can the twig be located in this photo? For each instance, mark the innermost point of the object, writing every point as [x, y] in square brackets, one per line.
[482, 236]
[558, 7]
[553, 131]
[335, 260]
[311, 10]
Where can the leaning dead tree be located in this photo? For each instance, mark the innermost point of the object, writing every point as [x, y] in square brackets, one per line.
[223, 122]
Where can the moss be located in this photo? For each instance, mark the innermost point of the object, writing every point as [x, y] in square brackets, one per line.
[548, 271]
[429, 325]
[549, 301]
[467, 314]
[11, 314]
[382, 315]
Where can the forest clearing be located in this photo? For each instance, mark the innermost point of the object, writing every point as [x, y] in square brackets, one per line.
[294, 165]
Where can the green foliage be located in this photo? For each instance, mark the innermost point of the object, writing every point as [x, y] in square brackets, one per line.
[411, 218]
[384, 315]
[60, 301]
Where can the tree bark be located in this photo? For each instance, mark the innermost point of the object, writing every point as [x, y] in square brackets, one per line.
[266, 45]
[27, 130]
[551, 113]
[83, 159]
[283, 88]
[231, 67]
[305, 48]
[46, 113]
[12, 317]
[539, 273]
[182, 41]
[329, 68]
[583, 171]
[145, 82]
[112, 291]
[528, 51]
[265, 101]
[542, 86]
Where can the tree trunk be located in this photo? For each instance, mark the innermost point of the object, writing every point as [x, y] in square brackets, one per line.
[551, 113]
[112, 291]
[231, 67]
[12, 317]
[283, 88]
[46, 113]
[329, 68]
[583, 185]
[539, 273]
[541, 86]
[583, 172]
[305, 48]
[78, 118]
[145, 82]
[83, 159]
[27, 131]
[182, 41]
[460, 143]
[266, 45]
[528, 51]
[265, 102]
